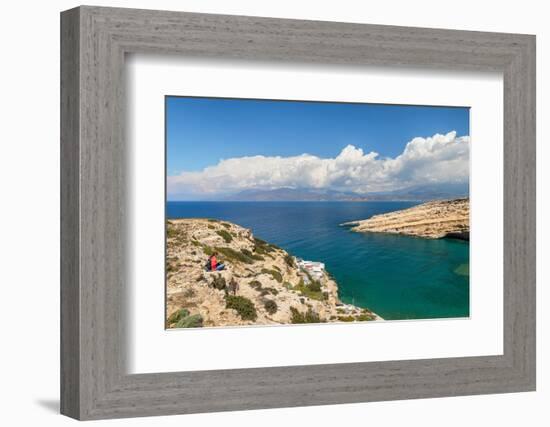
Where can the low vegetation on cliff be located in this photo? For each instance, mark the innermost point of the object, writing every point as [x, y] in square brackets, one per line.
[260, 284]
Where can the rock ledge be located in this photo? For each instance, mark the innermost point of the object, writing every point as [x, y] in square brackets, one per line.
[432, 220]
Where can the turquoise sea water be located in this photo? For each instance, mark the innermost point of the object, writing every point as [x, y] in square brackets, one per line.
[398, 277]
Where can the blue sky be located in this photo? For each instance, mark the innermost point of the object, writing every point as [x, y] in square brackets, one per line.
[213, 145]
[201, 131]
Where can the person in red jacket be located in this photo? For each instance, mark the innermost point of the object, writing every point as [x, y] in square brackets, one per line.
[213, 263]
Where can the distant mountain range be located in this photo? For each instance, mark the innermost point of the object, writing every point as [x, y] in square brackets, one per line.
[424, 192]
[292, 194]
[416, 193]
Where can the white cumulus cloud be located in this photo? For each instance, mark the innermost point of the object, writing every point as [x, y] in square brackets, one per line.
[436, 159]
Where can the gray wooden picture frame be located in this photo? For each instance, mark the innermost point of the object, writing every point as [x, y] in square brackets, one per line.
[94, 382]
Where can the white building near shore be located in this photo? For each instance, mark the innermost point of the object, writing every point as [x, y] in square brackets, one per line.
[315, 269]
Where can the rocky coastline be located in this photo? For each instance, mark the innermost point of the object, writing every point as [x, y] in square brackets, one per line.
[261, 283]
[432, 220]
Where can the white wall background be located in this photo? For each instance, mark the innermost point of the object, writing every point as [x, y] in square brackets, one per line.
[29, 224]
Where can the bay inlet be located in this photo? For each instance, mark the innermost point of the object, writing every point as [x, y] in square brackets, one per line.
[398, 277]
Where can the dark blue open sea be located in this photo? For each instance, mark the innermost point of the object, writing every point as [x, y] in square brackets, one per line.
[398, 277]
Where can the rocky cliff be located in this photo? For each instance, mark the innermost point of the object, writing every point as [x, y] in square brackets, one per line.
[261, 283]
[433, 220]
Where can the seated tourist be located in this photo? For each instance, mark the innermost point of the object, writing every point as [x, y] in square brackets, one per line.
[213, 264]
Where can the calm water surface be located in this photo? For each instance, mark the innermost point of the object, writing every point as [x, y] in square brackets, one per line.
[398, 277]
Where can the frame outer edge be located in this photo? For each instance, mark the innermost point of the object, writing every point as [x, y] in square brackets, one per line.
[90, 384]
[532, 185]
[70, 396]
[527, 129]
[520, 216]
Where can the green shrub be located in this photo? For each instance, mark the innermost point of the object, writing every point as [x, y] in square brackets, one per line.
[233, 255]
[244, 307]
[276, 268]
[288, 285]
[315, 286]
[212, 220]
[309, 317]
[364, 317]
[211, 227]
[225, 235]
[178, 315]
[308, 275]
[194, 321]
[312, 317]
[262, 247]
[270, 306]
[219, 282]
[249, 254]
[266, 291]
[171, 231]
[263, 291]
[346, 318]
[226, 225]
[296, 316]
[260, 242]
[260, 250]
[274, 273]
[289, 259]
[256, 284]
[308, 290]
[190, 292]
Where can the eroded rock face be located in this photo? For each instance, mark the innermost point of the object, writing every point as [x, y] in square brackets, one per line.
[433, 220]
[270, 288]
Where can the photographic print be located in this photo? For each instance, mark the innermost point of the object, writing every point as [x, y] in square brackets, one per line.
[291, 212]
